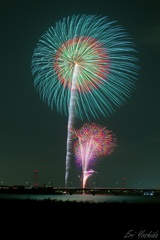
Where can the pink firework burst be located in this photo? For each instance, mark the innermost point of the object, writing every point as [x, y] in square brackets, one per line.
[89, 143]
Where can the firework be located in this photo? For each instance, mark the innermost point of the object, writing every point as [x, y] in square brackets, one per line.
[86, 67]
[95, 52]
[90, 143]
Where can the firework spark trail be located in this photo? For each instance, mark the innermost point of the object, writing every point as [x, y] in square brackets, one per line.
[71, 121]
[86, 66]
[89, 143]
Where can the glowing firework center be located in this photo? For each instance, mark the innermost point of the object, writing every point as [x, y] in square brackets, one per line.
[91, 59]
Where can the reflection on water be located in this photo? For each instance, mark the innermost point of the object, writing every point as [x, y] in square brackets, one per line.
[72, 207]
[85, 198]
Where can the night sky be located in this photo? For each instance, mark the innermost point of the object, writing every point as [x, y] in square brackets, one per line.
[32, 136]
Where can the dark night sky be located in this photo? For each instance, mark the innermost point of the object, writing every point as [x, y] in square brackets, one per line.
[32, 136]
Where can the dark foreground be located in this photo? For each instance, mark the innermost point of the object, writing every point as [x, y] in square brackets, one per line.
[83, 219]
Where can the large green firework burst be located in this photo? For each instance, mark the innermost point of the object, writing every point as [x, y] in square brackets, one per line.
[106, 64]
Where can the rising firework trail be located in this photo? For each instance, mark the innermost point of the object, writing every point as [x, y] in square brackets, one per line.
[89, 144]
[86, 66]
